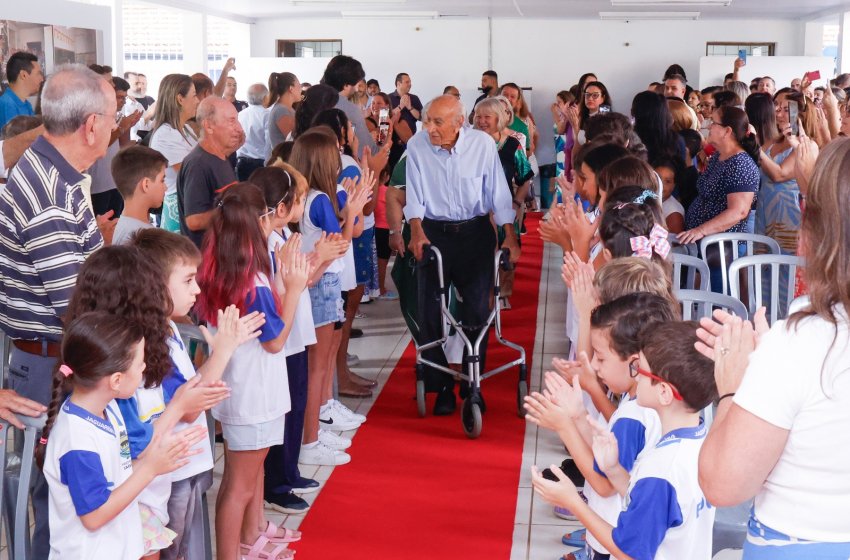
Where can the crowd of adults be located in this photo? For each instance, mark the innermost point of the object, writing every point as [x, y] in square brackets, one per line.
[727, 158]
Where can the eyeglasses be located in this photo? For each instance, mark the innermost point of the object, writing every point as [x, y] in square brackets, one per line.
[706, 106]
[635, 370]
[115, 118]
[592, 95]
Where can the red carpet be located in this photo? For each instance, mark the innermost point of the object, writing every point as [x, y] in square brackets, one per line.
[418, 488]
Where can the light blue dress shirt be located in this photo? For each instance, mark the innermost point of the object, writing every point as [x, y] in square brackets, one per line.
[458, 184]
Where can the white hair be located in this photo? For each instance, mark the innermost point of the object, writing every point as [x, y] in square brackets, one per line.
[257, 94]
[70, 96]
[497, 106]
[460, 112]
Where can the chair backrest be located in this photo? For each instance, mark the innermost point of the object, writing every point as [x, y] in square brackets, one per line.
[774, 290]
[691, 266]
[697, 304]
[729, 245]
[15, 511]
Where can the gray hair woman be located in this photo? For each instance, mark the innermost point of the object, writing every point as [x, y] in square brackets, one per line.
[493, 115]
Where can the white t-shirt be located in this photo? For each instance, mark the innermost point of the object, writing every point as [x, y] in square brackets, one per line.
[348, 274]
[797, 380]
[666, 515]
[672, 206]
[87, 458]
[303, 332]
[258, 379]
[182, 370]
[175, 147]
[126, 227]
[636, 428]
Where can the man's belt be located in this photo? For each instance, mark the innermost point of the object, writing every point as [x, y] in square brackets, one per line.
[38, 347]
[457, 227]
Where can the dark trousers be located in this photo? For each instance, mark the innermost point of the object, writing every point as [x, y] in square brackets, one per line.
[468, 251]
[31, 376]
[281, 464]
[106, 201]
[245, 166]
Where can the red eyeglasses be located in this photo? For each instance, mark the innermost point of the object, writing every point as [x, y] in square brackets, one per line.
[635, 370]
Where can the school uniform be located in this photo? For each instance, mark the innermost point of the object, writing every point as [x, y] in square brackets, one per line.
[190, 481]
[666, 515]
[253, 417]
[636, 428]
[87, 458]
[281, 465]
[326, 295]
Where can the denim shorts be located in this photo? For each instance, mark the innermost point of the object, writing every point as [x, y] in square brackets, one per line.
[326, 300]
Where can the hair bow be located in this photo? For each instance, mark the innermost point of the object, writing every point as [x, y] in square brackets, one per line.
[657, 241]
[65, 370]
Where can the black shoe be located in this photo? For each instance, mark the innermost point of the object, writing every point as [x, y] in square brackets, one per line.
[570, 469]
[445, 404]
[287, 503]
[355, 333]
[305, 486]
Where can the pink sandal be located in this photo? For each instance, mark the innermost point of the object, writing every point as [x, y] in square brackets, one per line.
[258, 551]
[289, 535]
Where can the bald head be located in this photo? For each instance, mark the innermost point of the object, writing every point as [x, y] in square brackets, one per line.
[443, 119]
[210, 108]
[220, 129]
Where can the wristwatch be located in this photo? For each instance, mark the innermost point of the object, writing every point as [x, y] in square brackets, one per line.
[394, 231]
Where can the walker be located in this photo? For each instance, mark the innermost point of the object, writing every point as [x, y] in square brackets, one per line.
[471, 408]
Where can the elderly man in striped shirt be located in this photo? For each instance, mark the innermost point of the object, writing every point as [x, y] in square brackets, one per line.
[47, 229]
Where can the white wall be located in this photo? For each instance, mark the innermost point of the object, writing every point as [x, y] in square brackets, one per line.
[69, 14]
[547, 55]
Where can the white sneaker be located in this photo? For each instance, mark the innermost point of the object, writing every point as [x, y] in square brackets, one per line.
[332, 419]
[333, 440]
[346, 412]
[322, 455]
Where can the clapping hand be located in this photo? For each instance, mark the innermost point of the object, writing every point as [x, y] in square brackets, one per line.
[169, 451]
[544, 412]
[568, 188]
[298, 270]
[233, 330]
[554, 230]
[329, 247]
[710, 329]
[732, 351]
[606, 451]
[566, 395]
[585, 297]
[578, 225]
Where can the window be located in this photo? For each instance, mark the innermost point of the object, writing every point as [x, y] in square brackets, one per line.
[321, 48]
[151, 33]
[731, 49]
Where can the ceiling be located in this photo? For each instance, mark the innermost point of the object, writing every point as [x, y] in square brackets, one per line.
[573, 9]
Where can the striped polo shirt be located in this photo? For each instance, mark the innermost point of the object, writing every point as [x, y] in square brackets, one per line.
[46, 232]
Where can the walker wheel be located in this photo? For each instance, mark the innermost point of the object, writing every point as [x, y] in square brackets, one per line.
[521, 393]
[420, 398]
[470, 415]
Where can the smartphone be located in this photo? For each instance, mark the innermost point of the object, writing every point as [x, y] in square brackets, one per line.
[742, 54]
[813, 75]
[793, 116]
[383, 126]
[604, 109]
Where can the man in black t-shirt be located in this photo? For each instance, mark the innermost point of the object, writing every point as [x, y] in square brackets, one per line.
[206, 170]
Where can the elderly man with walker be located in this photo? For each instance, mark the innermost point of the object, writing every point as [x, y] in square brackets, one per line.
[455, 183]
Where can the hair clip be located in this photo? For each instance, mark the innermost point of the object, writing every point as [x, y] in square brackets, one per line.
[621, 205]
[43, 441]
[65, 370]
[657, 241]
[220, 203]
[644, 195]
[288, 178]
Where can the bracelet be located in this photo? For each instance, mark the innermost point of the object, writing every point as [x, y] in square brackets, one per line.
[724, 396]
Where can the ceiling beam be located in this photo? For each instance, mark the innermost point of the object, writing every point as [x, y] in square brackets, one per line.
[200, 8]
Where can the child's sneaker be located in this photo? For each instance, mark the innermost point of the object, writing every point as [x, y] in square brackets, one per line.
[564, 513]
[347, 412]
[333, 440]
[286, 503]
[306, 486]
[330, 418]
[321, 455]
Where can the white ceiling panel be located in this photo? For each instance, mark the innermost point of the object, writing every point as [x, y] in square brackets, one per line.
[580, 9]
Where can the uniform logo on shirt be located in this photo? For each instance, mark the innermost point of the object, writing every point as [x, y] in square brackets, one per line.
[126, 460]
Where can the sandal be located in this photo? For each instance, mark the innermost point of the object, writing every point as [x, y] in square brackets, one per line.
[258, 551]
[289, 535]
[575, 538]
[579, 554]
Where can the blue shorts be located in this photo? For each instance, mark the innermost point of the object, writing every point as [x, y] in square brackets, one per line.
[363, 255]
[326, 300]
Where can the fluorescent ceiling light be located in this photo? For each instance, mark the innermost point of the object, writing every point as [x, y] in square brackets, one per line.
[634, 16]
[671, 3]
[314, 2]
[390, 15]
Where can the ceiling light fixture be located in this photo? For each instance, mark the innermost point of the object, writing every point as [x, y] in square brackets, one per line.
[635, 16]
[672, 3]
[389, 15]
